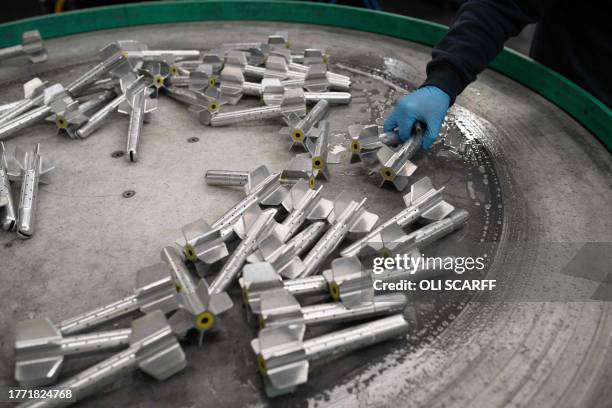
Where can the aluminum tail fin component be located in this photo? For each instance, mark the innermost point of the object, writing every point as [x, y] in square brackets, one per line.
[209, 100]
[262, 187]
[31, 46]
[8, 215]
[261, 277]
[303, 204]
[422, 202]
[30, 169]
[281, 256]
[154, 289]
[299, 168]
[198, 309]
[350, 283]
[316, 79]
[40, 349]
[138, 104]
[33, 96]
[283, 356]
[299, 129]
[43, 109]
[202, 243]
[233, 85]
[367, 138]
[271, 90]
[97, 118]
[153, 348]
[69, 116]
[253, 226]
[349, 218]
[319, 150]
[281, 308]
[305, 239]
[395, 241]
[394, 166]
[112, 59]
[293, 103]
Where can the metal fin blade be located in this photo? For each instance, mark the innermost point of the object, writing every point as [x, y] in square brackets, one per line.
[438, 211]
[418, 190]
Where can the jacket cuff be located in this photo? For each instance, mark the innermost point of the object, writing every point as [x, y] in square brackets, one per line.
[446, 78]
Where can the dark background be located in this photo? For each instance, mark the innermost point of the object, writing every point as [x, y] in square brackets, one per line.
[440, 11]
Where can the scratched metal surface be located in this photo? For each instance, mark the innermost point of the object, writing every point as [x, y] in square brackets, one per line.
[529, 174]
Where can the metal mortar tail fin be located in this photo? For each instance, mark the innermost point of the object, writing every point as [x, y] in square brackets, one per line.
[392, 233]
[438, 212]
[279, 304]
[33, 87]
[279, 337]
[321, 211]
[256, 177]
[364, 222]
[160, 355]
[341, 203]
[151, 278]
[260, 272]
[420, 191]
[38, 358]
[298, 192]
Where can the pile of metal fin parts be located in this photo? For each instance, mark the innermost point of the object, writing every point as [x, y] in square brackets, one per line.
[284, 243]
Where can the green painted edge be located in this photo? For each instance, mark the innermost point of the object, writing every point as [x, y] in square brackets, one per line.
[585, 108]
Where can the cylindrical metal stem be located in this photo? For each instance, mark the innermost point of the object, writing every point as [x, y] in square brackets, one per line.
[304, 240]
[96, 101]
[226, 178]
[95, 121]
[99, 315]
[9, 128]
[135, 127]
[89, 381]
[438, 229]
[27, 201]
[333, 98]
[252, 88]
[313, 117]
[8, 216]
[253, 71]
[5, 107]
[405, 217]
[228, 118]
[183, 95]
[234, 264]
[89, 77]
[338, 313]
[306, 286]
[92, 342]
[22, 107]
[332, 238]
[355, 337]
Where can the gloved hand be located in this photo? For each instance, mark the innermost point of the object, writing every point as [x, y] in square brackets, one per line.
[427, 105]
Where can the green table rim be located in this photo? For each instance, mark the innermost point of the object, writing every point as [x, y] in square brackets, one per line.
[585, 108]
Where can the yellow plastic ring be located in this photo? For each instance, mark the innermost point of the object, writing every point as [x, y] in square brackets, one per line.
[190, 253]
[388, 174]
[205, 321]
[61, 122]
[297, 135]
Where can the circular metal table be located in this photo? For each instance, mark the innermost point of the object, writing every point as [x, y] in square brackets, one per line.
[530, 175]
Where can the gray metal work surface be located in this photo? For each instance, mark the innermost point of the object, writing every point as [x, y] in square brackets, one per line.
[529, 175]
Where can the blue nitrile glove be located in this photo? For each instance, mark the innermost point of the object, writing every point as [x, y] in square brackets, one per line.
[427, 105]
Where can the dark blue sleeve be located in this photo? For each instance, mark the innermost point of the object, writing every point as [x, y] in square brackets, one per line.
[476, 36]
